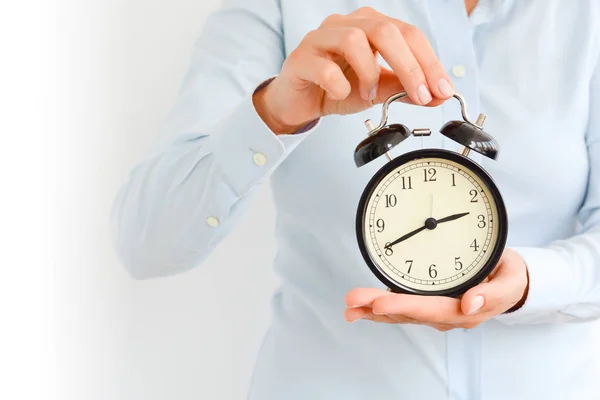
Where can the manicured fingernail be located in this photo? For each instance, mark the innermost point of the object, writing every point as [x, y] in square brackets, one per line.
[373, 93]
[445, 88]
[424, 95]
[476, 304]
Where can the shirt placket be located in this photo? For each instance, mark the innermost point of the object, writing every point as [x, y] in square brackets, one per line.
[455, 47]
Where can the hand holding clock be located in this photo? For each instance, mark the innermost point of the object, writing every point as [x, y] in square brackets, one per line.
[506, 289]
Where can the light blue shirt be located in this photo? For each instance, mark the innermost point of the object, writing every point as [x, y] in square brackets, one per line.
[531, 66]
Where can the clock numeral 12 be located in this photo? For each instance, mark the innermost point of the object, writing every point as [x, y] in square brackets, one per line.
[429, 175]
[390, 200]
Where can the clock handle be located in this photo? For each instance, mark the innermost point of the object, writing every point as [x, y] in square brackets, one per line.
[386, 104]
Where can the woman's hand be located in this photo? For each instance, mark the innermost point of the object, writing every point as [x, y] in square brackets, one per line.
[334, 70]
[506, 288]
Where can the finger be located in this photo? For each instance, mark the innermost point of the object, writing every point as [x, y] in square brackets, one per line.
[401, 319]
[352, 44]
[360, 297]
[384, 36]
[379, 318]
[504, 289]
[438, 81]
[322, 72]
[389, 85]
[354, 314]
[427, 309]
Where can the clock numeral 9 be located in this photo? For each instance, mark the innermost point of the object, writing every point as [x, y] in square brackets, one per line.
[474, 245]
[432, 271]
[473, 193]
[390, 200]
[406, 182]
[381, 225]
[388, 250]
[458, 264]
[410, 263]
[481, 223]
[430, 175]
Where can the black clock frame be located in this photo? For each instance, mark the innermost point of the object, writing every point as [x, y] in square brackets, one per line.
[469, 165]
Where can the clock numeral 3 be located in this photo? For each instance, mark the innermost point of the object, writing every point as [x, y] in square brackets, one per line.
[388, 250]
[406, 182]
[474, 245]
[430, 175]
[380, 225]
[458, 264]
[432, 271]
[473, 193]
[390, 200]
[410, 263]
[481, 223]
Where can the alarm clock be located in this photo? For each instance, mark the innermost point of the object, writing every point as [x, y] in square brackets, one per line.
[430, 221]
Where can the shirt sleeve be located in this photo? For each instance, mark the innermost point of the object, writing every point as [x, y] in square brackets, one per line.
[565, 276]
[213, 150]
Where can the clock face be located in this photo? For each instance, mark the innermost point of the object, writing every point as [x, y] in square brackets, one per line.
[431, 222]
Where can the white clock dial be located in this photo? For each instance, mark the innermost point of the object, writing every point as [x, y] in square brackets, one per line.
[441, 220]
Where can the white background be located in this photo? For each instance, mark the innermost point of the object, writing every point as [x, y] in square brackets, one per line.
[192, 336]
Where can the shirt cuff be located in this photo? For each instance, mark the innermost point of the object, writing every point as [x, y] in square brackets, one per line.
[549, 288]
[246, 149]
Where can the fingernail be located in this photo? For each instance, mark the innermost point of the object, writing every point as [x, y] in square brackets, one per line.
[373, 93]
[445, 88]
[476, 304]
[424, 95]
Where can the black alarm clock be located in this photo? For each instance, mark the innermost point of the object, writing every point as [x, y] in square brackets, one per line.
[431, 221]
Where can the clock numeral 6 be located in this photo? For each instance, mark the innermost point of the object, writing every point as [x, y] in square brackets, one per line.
[388, 250]
[380, 225]
[432, 271]
[458, 264]
[390, 200]
[430, 175]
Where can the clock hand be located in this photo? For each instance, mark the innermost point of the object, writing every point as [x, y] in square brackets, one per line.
[408, 235]
[430, 224]
[452, 217]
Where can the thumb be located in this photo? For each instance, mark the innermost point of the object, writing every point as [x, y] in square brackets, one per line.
[504, 287]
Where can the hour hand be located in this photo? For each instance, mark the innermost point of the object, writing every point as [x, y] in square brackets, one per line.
[452, 217]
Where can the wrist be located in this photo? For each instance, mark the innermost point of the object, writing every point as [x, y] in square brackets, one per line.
[264, 101]
[521, 302]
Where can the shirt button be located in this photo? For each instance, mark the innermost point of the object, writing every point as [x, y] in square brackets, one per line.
[459, 71]
[259, 159]
[213, 222]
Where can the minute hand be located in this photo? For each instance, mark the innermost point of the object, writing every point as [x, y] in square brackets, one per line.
[452, 217]
[408, 235]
